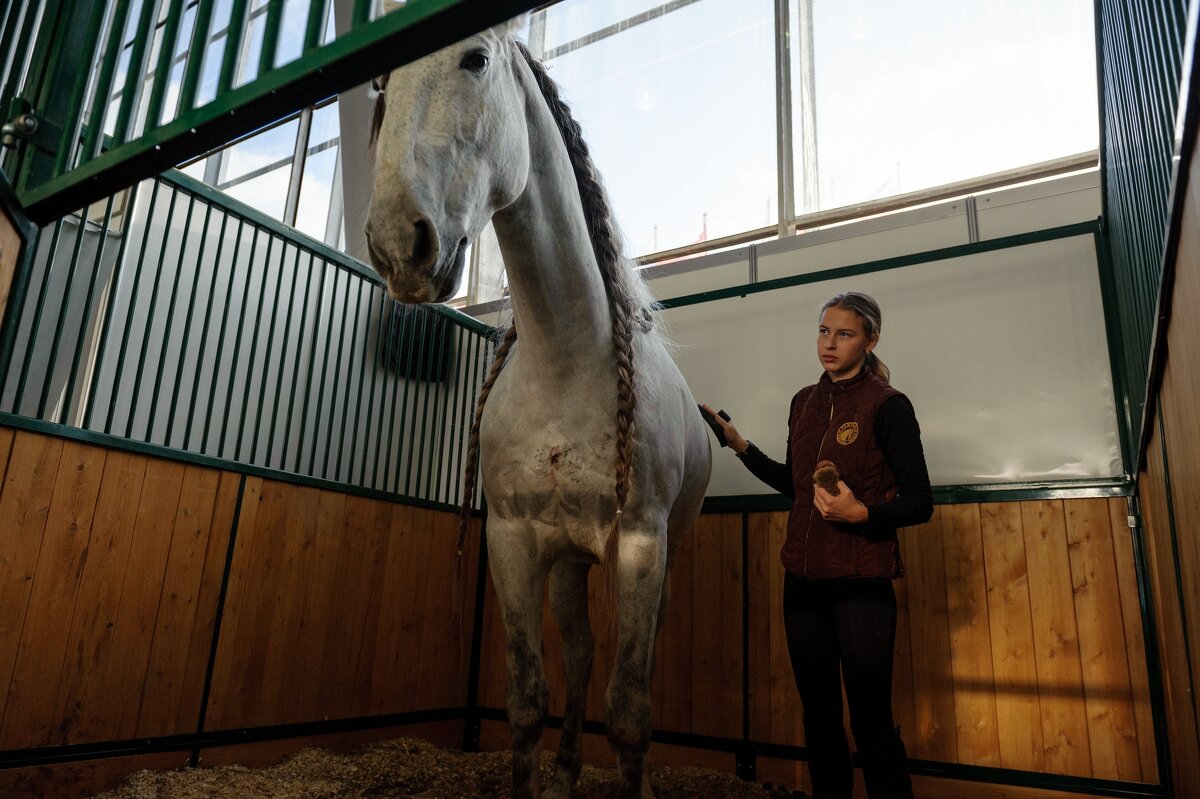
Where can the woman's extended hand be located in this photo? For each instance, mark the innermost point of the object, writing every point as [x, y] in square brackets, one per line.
[732, 436]
[842, 508]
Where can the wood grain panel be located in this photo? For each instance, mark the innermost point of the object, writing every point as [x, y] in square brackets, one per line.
[1014, 668]
[1055, 639]
[1108, 698]
[10, 254]
[761, 563]
[970, 636]
[306, 561]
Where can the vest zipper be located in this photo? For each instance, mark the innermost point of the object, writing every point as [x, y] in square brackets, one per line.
[813, 509]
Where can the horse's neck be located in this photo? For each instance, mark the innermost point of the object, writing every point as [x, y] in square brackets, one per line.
[558, 298]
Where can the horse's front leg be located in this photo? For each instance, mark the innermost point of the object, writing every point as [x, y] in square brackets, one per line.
[569, 603]
[641, 571]
[519, 581]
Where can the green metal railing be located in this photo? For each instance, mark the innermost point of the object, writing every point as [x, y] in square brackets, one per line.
[99, 93]
[173, 316]
[1140, 47]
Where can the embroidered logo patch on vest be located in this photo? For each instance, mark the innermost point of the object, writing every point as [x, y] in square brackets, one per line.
[847, 433]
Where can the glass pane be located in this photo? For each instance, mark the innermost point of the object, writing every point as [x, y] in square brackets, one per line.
[271, 148]
[914, 95]
[576, 19]
[267, 191]
[679, 113]
[312, 214]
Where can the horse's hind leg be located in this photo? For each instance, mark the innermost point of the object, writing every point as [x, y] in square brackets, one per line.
[642, 566]
[519, 582]
[569, 603]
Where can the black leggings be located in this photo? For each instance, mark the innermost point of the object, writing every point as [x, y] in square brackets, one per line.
[849, 623]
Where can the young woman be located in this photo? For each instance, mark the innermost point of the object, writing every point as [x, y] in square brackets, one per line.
[841, 553]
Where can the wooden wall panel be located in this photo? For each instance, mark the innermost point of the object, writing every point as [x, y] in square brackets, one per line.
[10, 253]
[105, 561]
[338, 607]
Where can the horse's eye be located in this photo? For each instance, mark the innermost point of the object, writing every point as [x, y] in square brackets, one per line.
[475, 61]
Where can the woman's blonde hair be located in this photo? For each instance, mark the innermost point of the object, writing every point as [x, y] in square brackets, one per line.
[865, 308]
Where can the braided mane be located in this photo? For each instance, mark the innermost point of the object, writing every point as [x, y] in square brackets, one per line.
[628, 303]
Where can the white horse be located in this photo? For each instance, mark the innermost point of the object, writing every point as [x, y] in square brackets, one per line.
[592, 447]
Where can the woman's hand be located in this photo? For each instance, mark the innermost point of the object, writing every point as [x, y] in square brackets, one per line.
[842, 508]
[732, 436]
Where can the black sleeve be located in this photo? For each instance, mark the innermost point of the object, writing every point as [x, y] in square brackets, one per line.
[899, 437]
[775, 474]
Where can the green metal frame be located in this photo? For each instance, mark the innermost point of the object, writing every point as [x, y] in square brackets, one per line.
[58, 175]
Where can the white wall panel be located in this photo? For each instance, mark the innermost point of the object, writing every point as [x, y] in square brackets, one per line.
[1066, 201]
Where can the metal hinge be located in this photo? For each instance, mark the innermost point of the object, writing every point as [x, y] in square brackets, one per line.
[25, 125]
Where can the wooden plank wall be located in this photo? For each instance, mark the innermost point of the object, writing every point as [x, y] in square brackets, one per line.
[1169, 491]
[1019, 642]
[10, 252]
[111, 567]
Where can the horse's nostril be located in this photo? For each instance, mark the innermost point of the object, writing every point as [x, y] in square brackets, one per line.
[422, 253]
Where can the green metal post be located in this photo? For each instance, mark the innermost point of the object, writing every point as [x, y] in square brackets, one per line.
[266, 61]
[212, 293]
[266, 365]
[312, 360]
[347, 434]
[288, 434]
[234, 264]
[135, 72]
[262, 297]
[195, 58]
[337, 380]
[312, 458]
[287, 336]
[187, 328]
[233, 46]
[162, 69]
[373, 360]
[317, 14]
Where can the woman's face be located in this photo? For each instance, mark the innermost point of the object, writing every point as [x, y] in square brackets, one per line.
[842, 344]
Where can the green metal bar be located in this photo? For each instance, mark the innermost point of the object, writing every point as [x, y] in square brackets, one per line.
[266, 365]
[312, 361]
[262, 297]
[137, 381]
[409, 340]
[390, 361]
[104, 81]
[195, 60]
[37, 314]
[97, 370]
[337, 372]
[466, 413]
[414, 30]
[266, 61]
[204, 327]
[435, 361]
[362, 13]
[312, 458]
[221, 336]
[422, 367]
[68, 287]
[237, 344]
[374, 361]
[233, 46]
[317, 14]
[162, 68]
[445, 404]
[346, 433]
[22, 45]
[371, 363]
[97, 265]
[134, 74]
[70, 126]
[287, 331]
[296, 373]
[167, 328]
[187, 324]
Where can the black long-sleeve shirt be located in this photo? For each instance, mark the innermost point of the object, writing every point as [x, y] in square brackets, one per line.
[899, 438]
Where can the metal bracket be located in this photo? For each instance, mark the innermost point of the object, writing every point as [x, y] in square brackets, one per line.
[25, 125]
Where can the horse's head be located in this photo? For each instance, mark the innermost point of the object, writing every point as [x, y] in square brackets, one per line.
[451, 148]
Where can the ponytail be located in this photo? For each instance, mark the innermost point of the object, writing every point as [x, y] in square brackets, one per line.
[878, 368]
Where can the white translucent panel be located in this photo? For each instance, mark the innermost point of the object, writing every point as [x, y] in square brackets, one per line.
[904, 233]
[575, 19]
[269, 148]
[266, 192]
[918, 94]
[1005, 212]
[704, 273]
[1003, 354]
[316, 191]
[679, 113]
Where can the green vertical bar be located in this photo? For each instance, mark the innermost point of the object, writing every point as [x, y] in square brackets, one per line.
[70, 127]
[233, 46]
[266, 366]
[162, 254]
[362, 13]
[62, 311]
[337, 469]
[104, 81]
[337, 377]
[126, 223]
[195, 58]
[22, 44]
[312, 360]
[452, 420]
[212, 293]
[212, 392]
[287, 335]
[375, 369]
[162, 70]
[438, 323]
[187, 327]
[266, 60]
[262, 296]
[237, 344]
[37, 316]
[315, 25]
[395, 377]
[135, 72]
[433, 485]
[288, 434]
[168, 329]
[422, 366]
[77, 351]
[467, 416]
[359, 428]
[312, 458]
